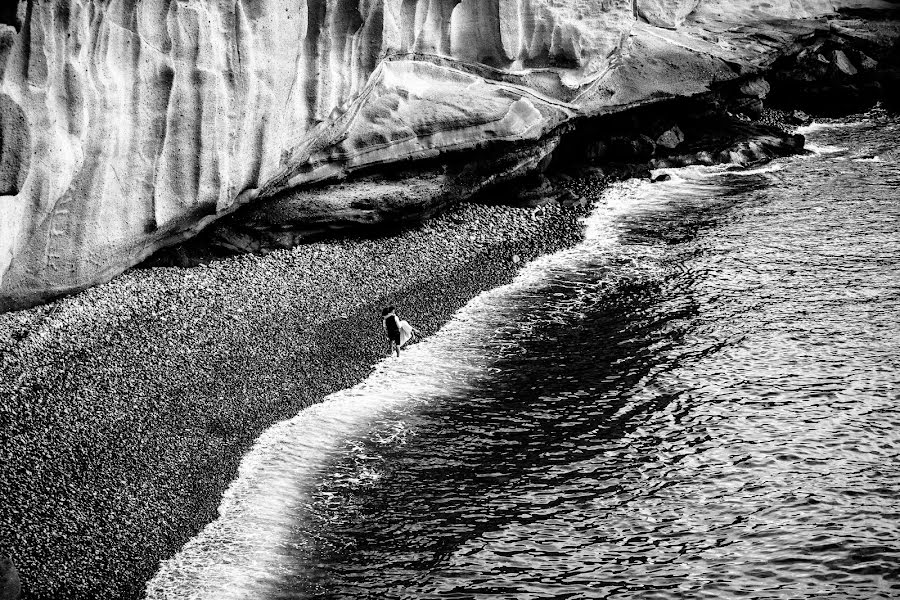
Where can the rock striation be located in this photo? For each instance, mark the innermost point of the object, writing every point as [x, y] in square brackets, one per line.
[129, 126]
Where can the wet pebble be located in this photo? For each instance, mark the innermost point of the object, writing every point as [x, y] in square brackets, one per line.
[127, 407]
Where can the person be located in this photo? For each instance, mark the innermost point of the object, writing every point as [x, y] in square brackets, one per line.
[391, 325]
[398, 332]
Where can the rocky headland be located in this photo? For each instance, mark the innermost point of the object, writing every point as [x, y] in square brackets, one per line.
[279, 192]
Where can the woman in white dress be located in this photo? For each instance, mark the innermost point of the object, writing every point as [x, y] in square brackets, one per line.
[398, 332]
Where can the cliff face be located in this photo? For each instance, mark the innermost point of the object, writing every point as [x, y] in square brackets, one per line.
[129, 125]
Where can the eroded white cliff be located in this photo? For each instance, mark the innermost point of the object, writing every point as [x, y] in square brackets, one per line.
[126, 125]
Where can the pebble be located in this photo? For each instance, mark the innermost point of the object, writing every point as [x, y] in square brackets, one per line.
[127, 407]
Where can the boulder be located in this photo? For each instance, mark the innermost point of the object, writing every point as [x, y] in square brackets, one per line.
[570, 199]
[756, 87]
[539, 193]
[671, 138]
[842, 63]
[798, 117]
[749, 106]
[866, 62]
[377, 201]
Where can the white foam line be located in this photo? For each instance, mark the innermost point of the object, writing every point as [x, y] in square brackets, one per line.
[825, 148]
[688, 175]
[816, 126]
[773, 167]
[236, 555]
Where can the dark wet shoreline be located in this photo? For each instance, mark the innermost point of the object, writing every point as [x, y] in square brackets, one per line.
[129, 406]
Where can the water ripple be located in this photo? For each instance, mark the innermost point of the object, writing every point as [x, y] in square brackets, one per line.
[700, 401]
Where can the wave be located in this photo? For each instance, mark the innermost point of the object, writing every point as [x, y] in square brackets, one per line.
[244, 552]
[823, 126]
[682, 175]
[825, 149]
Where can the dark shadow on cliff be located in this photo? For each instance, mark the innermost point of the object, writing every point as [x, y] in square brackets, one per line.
[9, 14]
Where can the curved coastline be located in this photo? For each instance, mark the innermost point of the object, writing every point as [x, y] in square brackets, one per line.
[127, 408]
[131, 404]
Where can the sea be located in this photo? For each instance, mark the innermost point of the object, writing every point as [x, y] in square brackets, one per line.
[700, 400]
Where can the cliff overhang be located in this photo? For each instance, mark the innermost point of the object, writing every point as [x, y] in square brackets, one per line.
[129, 127]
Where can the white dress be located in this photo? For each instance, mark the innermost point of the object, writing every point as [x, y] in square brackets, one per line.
[406, 332]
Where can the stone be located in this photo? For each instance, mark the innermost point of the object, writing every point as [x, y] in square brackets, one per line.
[756, 87]
[866, 62]
[798, 117]
[671, 138]
[662, 177]
[842, 63]
[537, 193]
[10, 584]
[570, 199]
[749, 106]
[127, 127]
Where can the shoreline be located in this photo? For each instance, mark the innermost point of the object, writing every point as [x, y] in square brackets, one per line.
[132, 403]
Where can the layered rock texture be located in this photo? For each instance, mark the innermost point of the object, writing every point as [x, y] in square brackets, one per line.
[126, 126]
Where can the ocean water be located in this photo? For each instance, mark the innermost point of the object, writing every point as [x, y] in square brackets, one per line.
[701, 400]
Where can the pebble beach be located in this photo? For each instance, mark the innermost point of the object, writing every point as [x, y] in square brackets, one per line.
[127, 407]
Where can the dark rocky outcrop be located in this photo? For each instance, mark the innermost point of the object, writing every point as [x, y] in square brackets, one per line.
[710, 129]
[847, 68]
[731, 124]
[375, 201]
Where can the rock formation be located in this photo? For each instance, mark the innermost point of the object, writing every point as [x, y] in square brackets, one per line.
[129, 126]
[839, 70]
